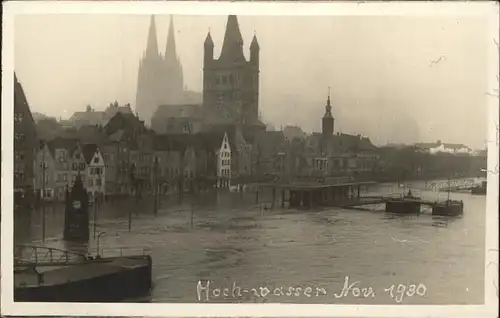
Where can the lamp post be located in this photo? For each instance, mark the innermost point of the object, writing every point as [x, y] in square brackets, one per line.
[155, 186]
[132, 179]
[98, 239]
[42, 164]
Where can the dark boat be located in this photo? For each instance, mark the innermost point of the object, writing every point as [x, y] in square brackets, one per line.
[448, 208]
[408, 204]
[479, 190]
[97, 280]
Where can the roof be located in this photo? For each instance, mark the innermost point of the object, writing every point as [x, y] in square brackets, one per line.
[88, 152]
[21, 102]
[92, 117]
[342, 142]
[178, 111]
[92, 134]
[70, 144]
[126, 121]
[270, 141]
[292, 132]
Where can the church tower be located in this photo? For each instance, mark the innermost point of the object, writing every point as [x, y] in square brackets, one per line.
[328, 120]
[231, 83]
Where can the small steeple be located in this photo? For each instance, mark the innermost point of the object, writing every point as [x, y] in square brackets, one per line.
[328, 108]
[232, 47]
[328, 120]
[152, 45]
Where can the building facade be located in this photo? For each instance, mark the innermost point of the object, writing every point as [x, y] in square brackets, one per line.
[441, 147]
[224, 163]
[45, 172]
[230, 82]
[95, 172]
[25, 144]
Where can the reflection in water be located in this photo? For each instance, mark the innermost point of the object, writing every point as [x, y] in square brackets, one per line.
[236, 242]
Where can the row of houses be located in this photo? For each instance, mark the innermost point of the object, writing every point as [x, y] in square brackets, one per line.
[125, 158]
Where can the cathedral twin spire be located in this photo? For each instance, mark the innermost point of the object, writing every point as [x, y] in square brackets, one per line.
[152, 45]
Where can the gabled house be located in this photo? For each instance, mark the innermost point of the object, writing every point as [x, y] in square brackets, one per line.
[241, 149]
[95, 172]
[69, 162]
[45, 172]
[224, 163]
[218, 161]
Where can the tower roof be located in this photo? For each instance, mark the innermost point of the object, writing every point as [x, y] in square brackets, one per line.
[328, 107]
[232, 47]
[170, 51]
[255, 44]
[208, 40]
[152, 45]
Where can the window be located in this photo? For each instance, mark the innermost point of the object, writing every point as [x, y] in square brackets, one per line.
[98, 182]
[19, 156]
[19, 137]
[90, 182]
[82, 166]
[77, 156]
[18, 118]
[98, 171]
[74, 166]
[96, 159]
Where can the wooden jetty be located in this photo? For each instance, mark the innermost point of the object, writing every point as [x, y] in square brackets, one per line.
[334, 192]
[347, 194]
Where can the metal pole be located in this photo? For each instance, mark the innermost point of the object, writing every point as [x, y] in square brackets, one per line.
[43, 192]
[155, 187]
[98, 239]
[95, 215]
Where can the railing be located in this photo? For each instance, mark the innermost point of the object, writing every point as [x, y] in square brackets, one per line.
[124, 251]
[27, 254]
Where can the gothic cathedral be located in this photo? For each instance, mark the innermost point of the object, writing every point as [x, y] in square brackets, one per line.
[160, 79]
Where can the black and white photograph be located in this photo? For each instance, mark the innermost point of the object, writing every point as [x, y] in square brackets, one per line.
[168, 156]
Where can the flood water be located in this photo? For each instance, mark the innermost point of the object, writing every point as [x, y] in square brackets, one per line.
[236, 243]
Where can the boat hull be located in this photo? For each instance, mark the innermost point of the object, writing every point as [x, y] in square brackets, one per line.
[478, 191]
[453, 209]
[117, 285]
[402, 207]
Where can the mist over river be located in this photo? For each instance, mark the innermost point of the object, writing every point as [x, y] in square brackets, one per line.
[238, 251]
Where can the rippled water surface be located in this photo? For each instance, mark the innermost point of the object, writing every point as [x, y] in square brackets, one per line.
[238, 244]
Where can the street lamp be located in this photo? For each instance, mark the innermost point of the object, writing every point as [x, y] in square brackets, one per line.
[98, 239]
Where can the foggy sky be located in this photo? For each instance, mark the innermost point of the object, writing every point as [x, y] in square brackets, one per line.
[383, 81]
